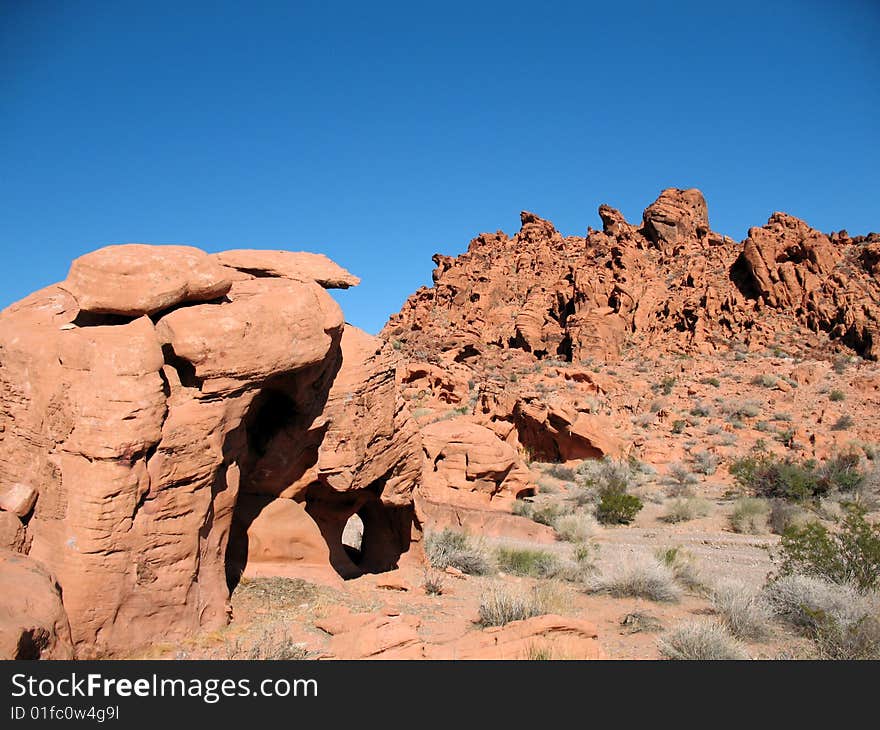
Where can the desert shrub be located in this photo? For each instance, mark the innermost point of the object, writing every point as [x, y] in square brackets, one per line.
[679, 425]
[500, 604]
[714, 382]
[576, 527]
[701, 641]
[666, 385]
[642, 577]
[273, 644]
[678, 510]
[450, 549]
[836, 396]
[857, 640]
[680, 478]
[750, 515]
[433, 582]
[841, 621]
[741, 409]
[803, 600]
[784, 515]
[684, 510]
[700, 410]
[848, 556]
[607, 481]
[705, 462]
[683, 566]
[844, 423]
[744, 612]
[765, 381]
[605, 475]
[843, 472]
[617, 508]
[766, 475]
[526, 562]
[560, 471]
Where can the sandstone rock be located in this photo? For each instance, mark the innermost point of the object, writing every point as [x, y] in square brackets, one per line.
[140, 434]
[561, 637]
[17, 498]
[33, 624]
[462, 455]
[368, 636]
[12, 532]
[294, 265]
[134, 279]
[676, 216]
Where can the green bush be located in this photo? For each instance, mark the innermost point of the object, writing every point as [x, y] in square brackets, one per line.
[843, 472]
[849, 556]
[526, 562]
[836, 396]
[766, 475]
[617, 508]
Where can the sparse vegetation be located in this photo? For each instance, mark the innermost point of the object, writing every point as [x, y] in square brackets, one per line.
[527, 562]
[450, 549]
[576, 527]
[705, 462]
[784, 515]
[685, 509]
[844, 423]
[701, 641]
[744, 612]
[750, 515]
[841, 621]
[272, 644]
[765, 381]
[683, 567]
[617, 508]
[642, 577]
[767, 475]
[560, 471]
[500, 605]
[850, 555]
[836, 396]
[433, 582]
[680, 479]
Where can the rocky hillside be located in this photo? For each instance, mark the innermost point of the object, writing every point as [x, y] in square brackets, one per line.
[670, 283]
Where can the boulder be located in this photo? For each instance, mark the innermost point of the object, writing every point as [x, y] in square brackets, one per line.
[134, 279]
[33, 623]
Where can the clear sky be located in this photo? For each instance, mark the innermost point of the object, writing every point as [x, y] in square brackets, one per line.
[379, 133]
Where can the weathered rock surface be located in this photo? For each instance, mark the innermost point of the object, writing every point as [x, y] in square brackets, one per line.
[392, 635]
[33, 624]
[671, 280]
[134, 279]
[295, 265]
[126, 439]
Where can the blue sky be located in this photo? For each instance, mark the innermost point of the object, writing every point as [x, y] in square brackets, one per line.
[380, 133]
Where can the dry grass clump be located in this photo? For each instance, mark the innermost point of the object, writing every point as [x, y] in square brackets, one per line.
[744, 612]
[750, 515]
[641, 577]
[450, 549]
[701, 641]
[500, 604]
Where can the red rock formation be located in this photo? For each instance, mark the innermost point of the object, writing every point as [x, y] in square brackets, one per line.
[672, 281]
[140, 397]
[33, 624]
